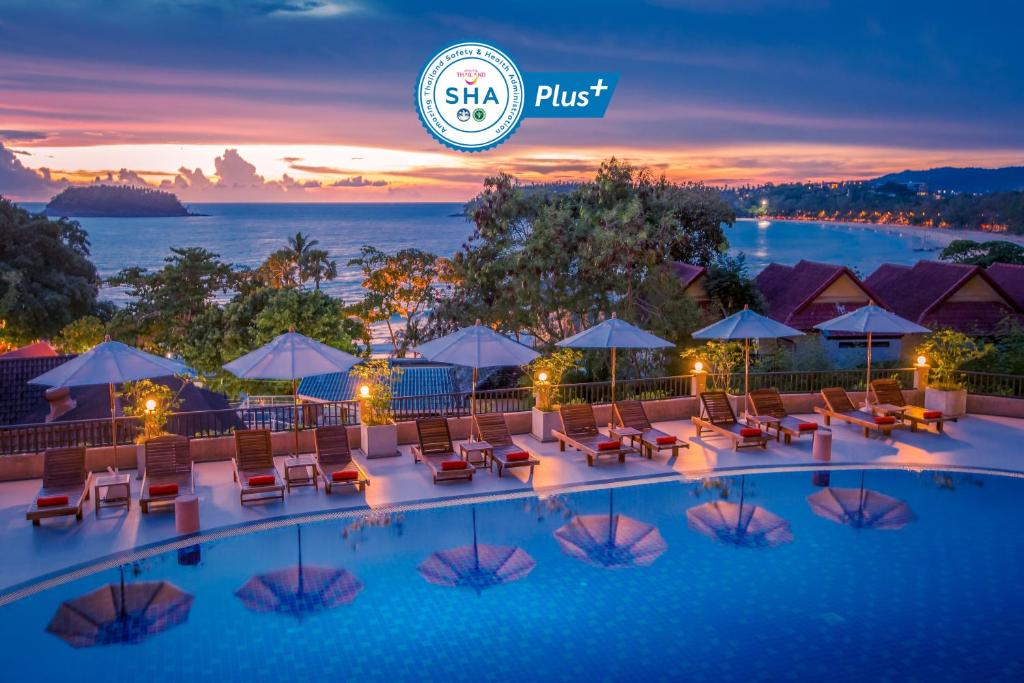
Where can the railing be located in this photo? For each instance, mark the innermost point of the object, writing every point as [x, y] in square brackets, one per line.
[993, 383]
[34, 438]
[788, 382]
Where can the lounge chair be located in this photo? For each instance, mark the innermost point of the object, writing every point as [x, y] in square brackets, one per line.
[722, 421]
[768, 402]
[65, 485]
[493, 429]
[579, 430]
[888, 392]
[839, 406]
[435, 449]
[168, 471]
[632, 414]
[255, 472]
[334, 462]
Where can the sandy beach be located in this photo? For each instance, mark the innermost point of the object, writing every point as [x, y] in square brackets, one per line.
[938, 236]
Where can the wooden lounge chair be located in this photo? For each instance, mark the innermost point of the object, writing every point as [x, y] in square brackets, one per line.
[435, 449]
[839, 406]
[888, 392]
[255, 472]
[65, 485]
[722, 421]
[579, 430]
[632, 414]
[768, 402]
[334, 462]
[168, 471]
[493, 429]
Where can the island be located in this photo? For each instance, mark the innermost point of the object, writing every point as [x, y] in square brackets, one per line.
[115, 201]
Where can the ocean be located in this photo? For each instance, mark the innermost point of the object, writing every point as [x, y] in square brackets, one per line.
[244, 234]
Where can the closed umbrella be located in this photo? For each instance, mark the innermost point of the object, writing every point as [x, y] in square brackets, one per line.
[611, 541]
[871, 320]
[746, 325]
[476, 347]
[120, 614]
[291, 356]
[477, 566]
[110, 363]
[614, 334]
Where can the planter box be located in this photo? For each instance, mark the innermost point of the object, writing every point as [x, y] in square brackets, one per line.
[543, 423]
[379, 441]
[951, 403]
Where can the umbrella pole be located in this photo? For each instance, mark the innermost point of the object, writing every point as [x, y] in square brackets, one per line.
[472, 397]
[295, 414]
[113, 423]
[613, 375]
[746, 373]
[867, 387]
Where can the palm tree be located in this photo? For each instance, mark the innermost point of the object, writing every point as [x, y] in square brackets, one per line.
[318, 267]
[279, 270]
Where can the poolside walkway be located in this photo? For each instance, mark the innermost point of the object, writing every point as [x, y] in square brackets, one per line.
[981, 442]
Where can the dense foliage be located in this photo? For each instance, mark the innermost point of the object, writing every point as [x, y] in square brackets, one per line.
[46, 278]
[983, 253]
[122, 201]
[883, 203]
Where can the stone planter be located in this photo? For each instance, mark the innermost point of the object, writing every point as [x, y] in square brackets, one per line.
[543, 423]
[951, 403]
[379, 441]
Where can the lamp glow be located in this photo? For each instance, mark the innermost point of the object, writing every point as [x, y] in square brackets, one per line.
[150, 405]
[921, 360]
[698, 367]
[364, 391]
[542, 376]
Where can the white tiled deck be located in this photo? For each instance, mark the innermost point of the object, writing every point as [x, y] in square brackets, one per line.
[975, 442]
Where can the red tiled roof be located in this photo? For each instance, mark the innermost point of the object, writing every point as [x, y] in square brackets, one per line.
[39, 349]
[687, 272]
[920, 293]
[790, 292]
[1011, 278]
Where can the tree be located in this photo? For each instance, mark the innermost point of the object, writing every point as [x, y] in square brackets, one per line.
[730, 287]
[948, 351]
[297, 264]
[46, 278]
[983, 253]
[403, 284]
[166, 302]
[81, 335]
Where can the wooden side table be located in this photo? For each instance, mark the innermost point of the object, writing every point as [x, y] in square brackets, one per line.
[620, 433]
[477, 453]
[765, 422]
[112, 491]
[300, 470]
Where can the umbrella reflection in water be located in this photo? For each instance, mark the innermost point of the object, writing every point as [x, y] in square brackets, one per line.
[861, 508]
[611, 541]
[301, 590]
[121, 614]
[477, 566]
[746, 526]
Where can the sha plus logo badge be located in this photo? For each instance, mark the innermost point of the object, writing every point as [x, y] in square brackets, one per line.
[470, 96]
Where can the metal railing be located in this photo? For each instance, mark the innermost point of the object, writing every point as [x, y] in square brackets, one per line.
[789, 382]
[992, 383]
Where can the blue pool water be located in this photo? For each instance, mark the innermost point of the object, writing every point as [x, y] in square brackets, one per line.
[936, 593]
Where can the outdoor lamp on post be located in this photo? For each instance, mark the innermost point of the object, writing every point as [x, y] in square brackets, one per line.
[921, 369]
[700, 379]
[150, 405]
[364, 391]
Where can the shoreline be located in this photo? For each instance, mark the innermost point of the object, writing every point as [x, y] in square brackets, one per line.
[941, 236]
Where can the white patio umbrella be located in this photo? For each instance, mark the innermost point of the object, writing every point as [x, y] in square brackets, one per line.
[291, 356]
[871, 320]
[746, 325]
[614, 334]
[109, 363]
[476, 347]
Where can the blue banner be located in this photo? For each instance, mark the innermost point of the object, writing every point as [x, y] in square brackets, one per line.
[568, 94]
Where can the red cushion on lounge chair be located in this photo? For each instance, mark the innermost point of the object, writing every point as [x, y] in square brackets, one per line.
[609, 445]
[163, 489]
[516, 456]
[454, 465]
[665, 440]
[932, 414]
[345, 475]
[807, 426]
[262, 480]
[51, 501]
[750, 431]
[885, 420]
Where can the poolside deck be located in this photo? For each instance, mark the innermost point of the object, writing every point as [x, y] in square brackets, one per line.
[980, 442]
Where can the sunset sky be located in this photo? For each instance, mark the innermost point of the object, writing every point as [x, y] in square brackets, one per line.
[311, 100]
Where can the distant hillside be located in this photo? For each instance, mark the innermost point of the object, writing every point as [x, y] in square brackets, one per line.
[115, 201]
[952, 179]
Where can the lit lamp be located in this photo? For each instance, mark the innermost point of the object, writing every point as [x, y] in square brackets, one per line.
[921, 361]
[698, 367]
[150, 405]
[364, 391]
[700, 378]
[542, 376]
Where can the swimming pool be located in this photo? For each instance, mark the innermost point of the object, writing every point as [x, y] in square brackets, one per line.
[883, 575]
